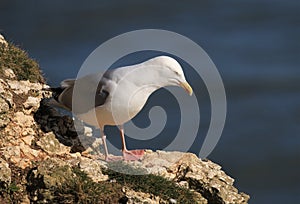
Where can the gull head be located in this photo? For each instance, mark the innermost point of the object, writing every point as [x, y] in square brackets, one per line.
[169, 72]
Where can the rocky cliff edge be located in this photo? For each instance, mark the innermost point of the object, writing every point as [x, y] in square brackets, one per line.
[42, 159]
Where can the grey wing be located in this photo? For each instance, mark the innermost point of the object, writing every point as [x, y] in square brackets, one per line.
[65, 98]
[67, 83]
[62, 96]
[84, 89]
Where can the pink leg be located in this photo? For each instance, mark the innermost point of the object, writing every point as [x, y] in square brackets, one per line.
[107, 157]
[131, 155]
[105, 146]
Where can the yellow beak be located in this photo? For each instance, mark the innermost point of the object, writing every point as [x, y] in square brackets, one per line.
[186, 87]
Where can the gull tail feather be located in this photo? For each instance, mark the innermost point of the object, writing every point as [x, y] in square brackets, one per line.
[56, 95]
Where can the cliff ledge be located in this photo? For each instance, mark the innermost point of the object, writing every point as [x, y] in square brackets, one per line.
[43, 159]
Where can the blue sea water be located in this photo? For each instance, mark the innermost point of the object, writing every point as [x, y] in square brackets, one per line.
[254, 44]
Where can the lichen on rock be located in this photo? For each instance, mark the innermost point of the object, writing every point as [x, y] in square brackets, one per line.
[51, 145]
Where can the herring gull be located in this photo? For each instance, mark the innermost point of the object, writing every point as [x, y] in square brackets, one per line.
[120, 95]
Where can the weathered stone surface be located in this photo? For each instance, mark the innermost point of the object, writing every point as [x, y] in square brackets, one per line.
[22, 87]
[27, 139]
[159, 161]
[54, 172]
[5, 94]
[140, 197]
[5, 172]
[208, 179]
[93, 168]
[9, 73]
[23, 120]
[4, 107]
[4, 120]
[51, 145]
[31, 102]
[22, 155]
[49, 119]
[205, 177]
[50, 173]
[2, 85]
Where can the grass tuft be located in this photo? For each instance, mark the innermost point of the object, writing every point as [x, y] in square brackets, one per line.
[82, 189]
[18, 60]
[148, 183]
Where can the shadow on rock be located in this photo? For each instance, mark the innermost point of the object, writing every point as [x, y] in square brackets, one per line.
[49, 119]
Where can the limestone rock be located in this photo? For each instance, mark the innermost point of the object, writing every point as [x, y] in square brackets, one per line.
[22, 155]
[23, 120]
[5, 172]
[50, 173]
[9, 73]
[22, 87]
[54, 171]
[31, 102]
[159, 161]
[12, 153]
[28, 139]
[205, 177]
[4, 120]
[6, 93]
[140, 197]
[93, 168]
[208, 179]
[52, 146]
[27, 131]
[4, 107]
[2, 86]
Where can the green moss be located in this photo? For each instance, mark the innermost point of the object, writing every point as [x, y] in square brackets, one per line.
[18, 60]
[8, 191]
[81, 189]
[148, 183]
